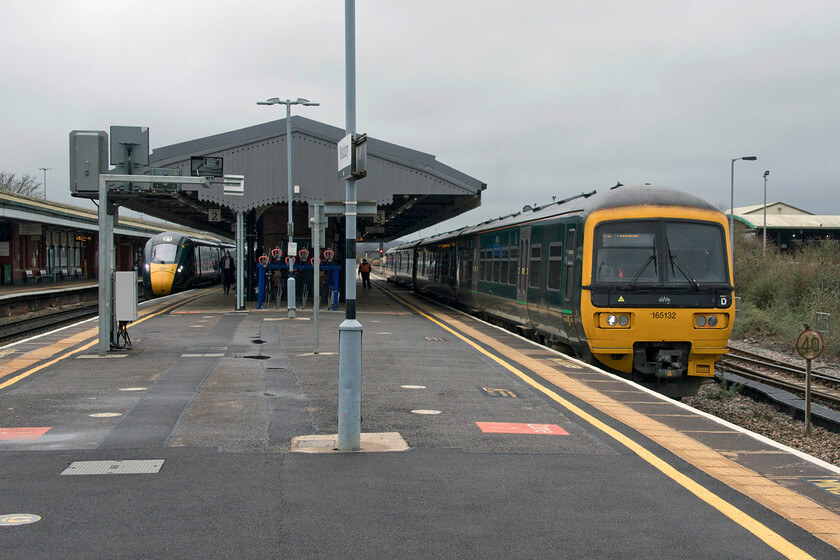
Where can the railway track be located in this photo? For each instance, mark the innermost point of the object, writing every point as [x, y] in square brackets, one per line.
[12, 331]
[824, 387]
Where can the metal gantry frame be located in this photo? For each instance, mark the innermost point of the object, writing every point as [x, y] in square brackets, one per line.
[108, 210]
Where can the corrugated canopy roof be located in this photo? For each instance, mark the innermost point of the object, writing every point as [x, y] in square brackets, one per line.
[413, 188]
[784, 216]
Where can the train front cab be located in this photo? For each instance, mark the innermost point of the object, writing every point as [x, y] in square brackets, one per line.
[161, 264]
[657, 301]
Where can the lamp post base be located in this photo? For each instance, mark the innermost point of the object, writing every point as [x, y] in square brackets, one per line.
[349, 385]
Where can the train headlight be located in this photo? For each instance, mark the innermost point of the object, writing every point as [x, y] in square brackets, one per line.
[614, 320]
[707, 321]
[180, 268]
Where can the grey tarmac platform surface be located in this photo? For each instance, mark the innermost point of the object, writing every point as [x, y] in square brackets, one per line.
[217, 396]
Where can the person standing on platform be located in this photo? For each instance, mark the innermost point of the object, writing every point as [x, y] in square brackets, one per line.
[364, 271]
[228, 269]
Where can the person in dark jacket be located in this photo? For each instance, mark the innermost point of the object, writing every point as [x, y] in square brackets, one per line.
[364, 271]
[228, 269]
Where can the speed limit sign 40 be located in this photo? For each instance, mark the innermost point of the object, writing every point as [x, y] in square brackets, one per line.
[810, 344]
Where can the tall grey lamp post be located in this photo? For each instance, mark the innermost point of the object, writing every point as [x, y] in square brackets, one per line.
[291, 295]
[764, 252]
[732, 208]
[45, 169]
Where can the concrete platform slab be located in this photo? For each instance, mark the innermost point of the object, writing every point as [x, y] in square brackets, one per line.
[370, 443]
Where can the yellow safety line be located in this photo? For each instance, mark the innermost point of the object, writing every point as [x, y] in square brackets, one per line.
[42, 353]
[773, 539]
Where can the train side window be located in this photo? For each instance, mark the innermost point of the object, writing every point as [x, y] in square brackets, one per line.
[503, 275]
[536, 261]
[555, 265]
[497, 264]
[514, 264]
[570, 264]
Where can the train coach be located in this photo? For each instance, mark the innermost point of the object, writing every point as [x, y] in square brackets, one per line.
[174, 262]
[637, 279]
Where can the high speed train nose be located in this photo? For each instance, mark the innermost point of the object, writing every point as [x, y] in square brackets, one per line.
[162, 276]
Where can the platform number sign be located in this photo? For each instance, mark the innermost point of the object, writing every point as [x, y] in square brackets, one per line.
[214, 215]
[810, 344]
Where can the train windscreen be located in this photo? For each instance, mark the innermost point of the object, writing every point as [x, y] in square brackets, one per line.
[164, 253]
[656, 252]
[696, 253]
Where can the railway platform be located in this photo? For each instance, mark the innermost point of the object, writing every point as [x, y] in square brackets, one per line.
[198, 443]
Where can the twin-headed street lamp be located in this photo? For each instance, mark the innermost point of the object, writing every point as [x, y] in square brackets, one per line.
[732, 208]
[766, 174]
[290, 283]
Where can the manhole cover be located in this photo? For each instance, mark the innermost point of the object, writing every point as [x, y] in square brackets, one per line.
[149, 466]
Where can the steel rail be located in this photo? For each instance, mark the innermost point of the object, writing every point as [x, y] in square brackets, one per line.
[727, 364]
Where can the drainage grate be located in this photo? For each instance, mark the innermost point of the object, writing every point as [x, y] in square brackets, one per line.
[150, 466]
[251, 357]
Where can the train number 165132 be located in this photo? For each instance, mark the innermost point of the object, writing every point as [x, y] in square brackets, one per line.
[663, 314]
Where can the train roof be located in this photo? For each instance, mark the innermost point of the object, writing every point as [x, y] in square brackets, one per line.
[584, 203]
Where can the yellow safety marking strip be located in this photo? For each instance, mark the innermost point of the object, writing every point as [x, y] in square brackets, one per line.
[666, 436]
[39, 354]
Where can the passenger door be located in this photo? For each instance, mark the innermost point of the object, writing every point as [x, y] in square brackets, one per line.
[522, 277]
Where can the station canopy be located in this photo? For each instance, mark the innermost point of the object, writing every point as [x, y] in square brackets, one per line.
[411, 189]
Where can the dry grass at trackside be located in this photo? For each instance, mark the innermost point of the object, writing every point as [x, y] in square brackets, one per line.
[781, 291]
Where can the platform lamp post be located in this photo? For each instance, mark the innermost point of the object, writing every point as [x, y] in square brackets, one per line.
[764, 253]
[732, 208]
[291, 295]
[45, 169]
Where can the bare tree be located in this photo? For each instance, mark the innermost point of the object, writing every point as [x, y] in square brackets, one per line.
[26, 185]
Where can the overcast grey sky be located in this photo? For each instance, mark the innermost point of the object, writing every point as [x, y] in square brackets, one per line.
[535, 98]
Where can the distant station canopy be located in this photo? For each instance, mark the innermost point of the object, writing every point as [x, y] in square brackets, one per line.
[411, 189]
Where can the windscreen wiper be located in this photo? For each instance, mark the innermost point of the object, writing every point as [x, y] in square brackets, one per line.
[651, 258]
[676, 262]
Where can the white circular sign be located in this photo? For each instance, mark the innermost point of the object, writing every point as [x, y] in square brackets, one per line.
[810, 344]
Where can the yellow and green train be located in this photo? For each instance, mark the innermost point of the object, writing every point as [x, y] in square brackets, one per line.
[174, 262]
[636, 278]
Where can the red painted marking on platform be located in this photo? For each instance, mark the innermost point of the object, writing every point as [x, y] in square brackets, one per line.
[503, 428]
[24, 434]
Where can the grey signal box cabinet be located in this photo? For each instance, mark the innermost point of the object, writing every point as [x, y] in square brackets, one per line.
[125, 296]
[88, 158]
